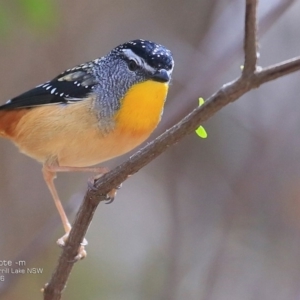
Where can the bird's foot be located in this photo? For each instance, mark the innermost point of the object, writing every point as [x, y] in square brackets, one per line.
[110, 196]
[81, 254]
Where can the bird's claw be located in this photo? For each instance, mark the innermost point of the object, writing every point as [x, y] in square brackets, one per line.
[110, 196]
[81, 254]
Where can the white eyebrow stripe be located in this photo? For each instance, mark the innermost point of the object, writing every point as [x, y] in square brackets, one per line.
[131, 55]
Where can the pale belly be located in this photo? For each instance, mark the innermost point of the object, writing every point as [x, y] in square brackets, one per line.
[81, 149]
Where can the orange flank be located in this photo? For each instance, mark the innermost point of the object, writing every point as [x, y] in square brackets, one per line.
[9, 120]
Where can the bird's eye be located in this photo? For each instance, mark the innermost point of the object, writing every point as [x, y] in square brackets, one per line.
[132, 65]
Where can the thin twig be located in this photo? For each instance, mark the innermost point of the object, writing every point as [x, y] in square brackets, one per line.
[226, 94]
[250, 50]
[273, 72]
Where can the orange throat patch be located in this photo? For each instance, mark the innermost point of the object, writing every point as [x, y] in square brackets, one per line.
[141, 108]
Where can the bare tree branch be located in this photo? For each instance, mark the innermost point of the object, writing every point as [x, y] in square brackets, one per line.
[219, 64]
[230, 92]
[276, 71]
[250, 38]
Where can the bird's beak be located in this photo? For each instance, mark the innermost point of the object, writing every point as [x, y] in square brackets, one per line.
[161, 76]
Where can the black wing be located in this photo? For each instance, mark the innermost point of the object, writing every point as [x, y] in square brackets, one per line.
[71, 86]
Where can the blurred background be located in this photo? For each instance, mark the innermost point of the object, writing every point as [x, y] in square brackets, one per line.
[210, 219]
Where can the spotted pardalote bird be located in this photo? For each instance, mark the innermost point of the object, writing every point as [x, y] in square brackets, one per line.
[90, 113]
